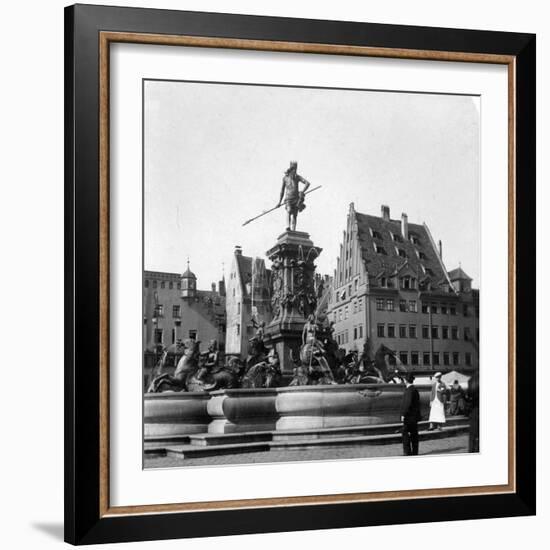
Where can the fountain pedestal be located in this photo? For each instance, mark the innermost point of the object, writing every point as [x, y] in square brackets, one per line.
[293, 293]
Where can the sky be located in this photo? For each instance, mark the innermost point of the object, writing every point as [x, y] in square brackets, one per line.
[215, 155]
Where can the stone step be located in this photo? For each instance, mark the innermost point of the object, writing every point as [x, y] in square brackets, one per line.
[375, 439]
[196, 451]
[154, 441]
[207, 439]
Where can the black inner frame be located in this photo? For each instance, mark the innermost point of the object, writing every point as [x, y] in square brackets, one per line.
[83, 524]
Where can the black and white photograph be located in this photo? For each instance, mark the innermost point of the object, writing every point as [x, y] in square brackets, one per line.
[311, 268]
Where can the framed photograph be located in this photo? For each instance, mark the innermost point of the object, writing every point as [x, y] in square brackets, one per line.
[299, 274]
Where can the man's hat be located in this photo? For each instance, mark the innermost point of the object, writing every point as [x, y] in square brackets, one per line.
[437, 375]
[410, 378]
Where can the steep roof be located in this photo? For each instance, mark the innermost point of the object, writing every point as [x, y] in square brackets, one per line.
[458, 274]
[385, 251]
[244, 267]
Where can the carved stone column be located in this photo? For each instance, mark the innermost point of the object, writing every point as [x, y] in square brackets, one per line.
[293, 293]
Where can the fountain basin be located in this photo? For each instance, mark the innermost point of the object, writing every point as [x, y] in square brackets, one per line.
[267, 409]
[175, 413]
[308, 407]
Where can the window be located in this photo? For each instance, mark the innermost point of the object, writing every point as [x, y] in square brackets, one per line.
[355, 306]
[336, 296]
[356, 284]
[402, 331]
[452, 309]
[380, 249]
[355, 333]
[159, 310]
[360, 304]
[162, 284]
[429, 271]
[456, 358]
[414, 239]
[404, 357]
[465, 310]
[238, 308]
[402, 305]
[238, 329]
[173, 336]
[383, 281]
[422, 256]
[346, 312]
[391, 331]
[176, 312]
[434, 308]
[454, 333]
[158, 336]
[380, 330]
[340, 314]
[425, 331]
[412, 331]
[446, 358]
[402, 254]
[435, 332]
[467, 334]
[426, 359]
[379, 304]
[435, 356]
[146, 283]
[179, 286]
[349, 286]
[154, 284]
[445, 333]
[412, 306]
[468, 358]
[390, 305]
[233, 293]
[424, 308]
[397, 238]
[443, 309]
[414, 358]
[376, 235]
[360, 331]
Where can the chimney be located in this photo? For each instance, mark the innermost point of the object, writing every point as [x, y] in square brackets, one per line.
[440, 249]
[385, 213]
[238, 250]
[213, 287]
[405, 226]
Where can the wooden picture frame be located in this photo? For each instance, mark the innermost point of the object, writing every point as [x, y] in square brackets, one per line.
[89, 32]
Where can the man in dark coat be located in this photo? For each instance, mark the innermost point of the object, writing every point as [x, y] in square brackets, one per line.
[410, 415]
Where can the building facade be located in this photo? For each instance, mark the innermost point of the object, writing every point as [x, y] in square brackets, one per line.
[174, 309]
[391, 287]
[248, 301]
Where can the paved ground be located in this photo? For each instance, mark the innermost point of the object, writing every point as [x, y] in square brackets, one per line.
[457, 444]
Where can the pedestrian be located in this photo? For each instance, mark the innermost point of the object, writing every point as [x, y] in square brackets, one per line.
[457, 399]
[473, 398]
[437, 403]
[410, 416]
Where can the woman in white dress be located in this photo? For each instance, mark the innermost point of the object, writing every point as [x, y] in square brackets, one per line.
[437, 403]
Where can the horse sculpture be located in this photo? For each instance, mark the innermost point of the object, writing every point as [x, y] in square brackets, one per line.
[186, 366]
[387, 372]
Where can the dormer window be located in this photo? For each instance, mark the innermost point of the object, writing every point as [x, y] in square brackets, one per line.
[397, 238]
[383, 281]
[422, 256]
[401, 252]
[380, 250]
[376, 235]
[414, 239]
